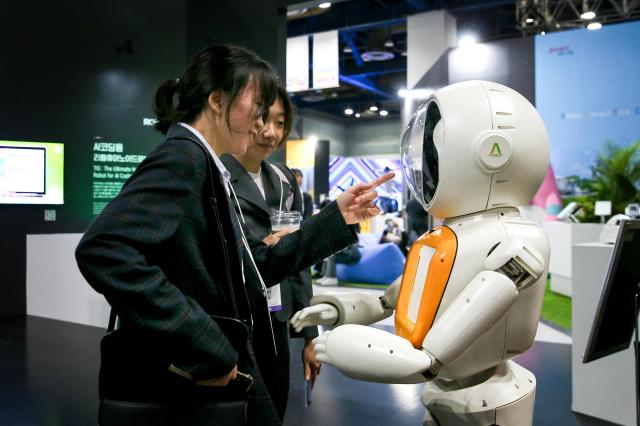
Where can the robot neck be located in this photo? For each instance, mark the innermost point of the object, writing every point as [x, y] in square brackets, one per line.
[507, 212]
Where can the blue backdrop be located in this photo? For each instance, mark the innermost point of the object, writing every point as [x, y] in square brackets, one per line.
[588, 92]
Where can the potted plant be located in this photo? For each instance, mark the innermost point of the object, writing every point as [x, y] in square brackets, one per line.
[615, 176]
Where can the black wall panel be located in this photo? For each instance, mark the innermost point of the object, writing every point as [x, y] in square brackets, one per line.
[73, 71]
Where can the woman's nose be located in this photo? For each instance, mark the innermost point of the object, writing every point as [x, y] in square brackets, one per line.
[268, 131]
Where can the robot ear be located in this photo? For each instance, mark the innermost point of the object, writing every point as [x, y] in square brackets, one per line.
[493, 151]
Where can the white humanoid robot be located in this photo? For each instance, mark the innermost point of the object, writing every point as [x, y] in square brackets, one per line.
[471, 292]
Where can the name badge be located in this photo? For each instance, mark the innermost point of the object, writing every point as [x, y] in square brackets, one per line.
[274, 299]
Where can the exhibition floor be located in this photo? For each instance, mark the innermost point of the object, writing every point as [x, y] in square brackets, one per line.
[48, 376]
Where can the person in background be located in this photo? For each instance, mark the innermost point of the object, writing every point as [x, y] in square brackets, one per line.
[307, 199]
[417, 219]
[171, 257]
[393, 234]
[262, 189]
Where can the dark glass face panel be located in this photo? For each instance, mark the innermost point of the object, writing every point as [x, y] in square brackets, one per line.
[430, 175]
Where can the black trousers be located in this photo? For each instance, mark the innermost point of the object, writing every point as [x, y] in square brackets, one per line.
[274, 368]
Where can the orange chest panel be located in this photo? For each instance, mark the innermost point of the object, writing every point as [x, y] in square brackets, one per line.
[425, 278]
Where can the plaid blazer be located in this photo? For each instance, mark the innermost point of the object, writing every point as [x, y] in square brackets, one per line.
[166, 254]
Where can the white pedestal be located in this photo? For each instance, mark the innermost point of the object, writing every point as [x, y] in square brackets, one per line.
[55, 287]
[604, 388]
[562, 236]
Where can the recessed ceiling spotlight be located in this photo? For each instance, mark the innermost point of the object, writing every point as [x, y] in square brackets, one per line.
[347, 49]
[529, 20]
[325, 5]
[373, 108]
[594, 26]
[588, 15]
[348, 111]
[384, 113]
[357, 115]
[402, 93]
[542, 33]
[334, 94]
[388, 43]
[403, 53]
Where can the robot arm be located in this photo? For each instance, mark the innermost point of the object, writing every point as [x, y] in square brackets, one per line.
[370, 354]
[366, 353]
[347, 308]
[512, 266]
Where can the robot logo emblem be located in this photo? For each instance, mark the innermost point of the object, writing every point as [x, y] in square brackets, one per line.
[495, 150]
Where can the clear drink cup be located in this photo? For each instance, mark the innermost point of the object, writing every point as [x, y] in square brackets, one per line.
[285, 220]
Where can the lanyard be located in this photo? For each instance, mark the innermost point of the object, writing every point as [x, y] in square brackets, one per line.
[255, 267]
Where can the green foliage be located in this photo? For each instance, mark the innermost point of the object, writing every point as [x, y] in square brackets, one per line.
[615, 177]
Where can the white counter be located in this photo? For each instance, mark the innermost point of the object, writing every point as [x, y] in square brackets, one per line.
[562, 236]
[604, 388]
[55, 287]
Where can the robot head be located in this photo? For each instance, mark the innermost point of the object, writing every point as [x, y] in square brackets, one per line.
[474, 146]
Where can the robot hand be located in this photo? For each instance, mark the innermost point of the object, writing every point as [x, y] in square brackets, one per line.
[320, 314]
[370, 354]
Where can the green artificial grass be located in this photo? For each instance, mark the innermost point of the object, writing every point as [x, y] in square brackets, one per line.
[363, 285]
[556, 308]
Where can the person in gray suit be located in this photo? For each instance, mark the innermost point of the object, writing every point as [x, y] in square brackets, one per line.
[263, 188]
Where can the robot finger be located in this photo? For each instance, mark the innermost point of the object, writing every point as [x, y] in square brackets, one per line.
[323, 359]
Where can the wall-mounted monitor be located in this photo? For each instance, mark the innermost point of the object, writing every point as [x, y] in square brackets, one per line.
[31, 172]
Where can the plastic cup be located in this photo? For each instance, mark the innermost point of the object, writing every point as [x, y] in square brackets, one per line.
[285, 220]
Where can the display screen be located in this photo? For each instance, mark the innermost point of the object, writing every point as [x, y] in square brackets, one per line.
[31, 172]
[615, 319]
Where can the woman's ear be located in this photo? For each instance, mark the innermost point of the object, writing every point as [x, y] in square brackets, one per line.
[215, 101]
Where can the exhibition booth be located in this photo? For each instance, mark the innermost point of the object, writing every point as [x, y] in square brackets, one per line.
[584, 85]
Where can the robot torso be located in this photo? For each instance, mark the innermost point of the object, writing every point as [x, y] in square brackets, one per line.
[439, 266]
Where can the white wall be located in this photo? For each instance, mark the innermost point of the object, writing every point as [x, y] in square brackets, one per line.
[55, 287]
[429, 35]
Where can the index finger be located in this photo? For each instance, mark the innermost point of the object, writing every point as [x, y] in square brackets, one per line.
[381, 179]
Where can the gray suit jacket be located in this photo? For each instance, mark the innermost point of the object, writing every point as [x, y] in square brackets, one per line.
[296, 290]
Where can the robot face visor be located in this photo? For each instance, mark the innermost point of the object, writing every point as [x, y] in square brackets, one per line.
[419, 152]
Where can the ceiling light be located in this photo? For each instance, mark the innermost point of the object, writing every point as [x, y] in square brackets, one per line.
[467, 40]
[348, 111]
[388, 43]
[373, 108]
[347, 49]
[377, 56]
[588, 15]
[542, 33]
[402, 93]
[384, 112]
[324, 5]
[403, 53]
[529, 20]
[594, 26]
[357, 115]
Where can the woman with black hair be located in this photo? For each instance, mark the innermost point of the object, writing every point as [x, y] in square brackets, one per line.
[170, 256]
[263, 189]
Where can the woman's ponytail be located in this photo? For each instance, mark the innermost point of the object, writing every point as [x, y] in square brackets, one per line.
[163, 105]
